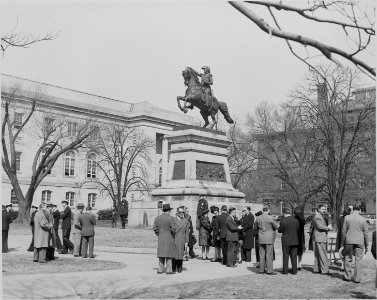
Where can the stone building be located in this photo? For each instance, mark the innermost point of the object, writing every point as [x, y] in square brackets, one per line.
[360, 187]
[75, 166]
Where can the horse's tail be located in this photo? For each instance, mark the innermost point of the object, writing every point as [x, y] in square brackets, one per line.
[224, 110]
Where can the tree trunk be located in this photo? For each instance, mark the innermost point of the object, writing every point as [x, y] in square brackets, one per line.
[24, 207]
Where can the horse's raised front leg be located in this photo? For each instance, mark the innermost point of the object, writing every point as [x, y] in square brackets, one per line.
[182, 98]
[213, 121]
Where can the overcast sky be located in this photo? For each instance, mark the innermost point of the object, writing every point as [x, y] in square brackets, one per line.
[136, 51]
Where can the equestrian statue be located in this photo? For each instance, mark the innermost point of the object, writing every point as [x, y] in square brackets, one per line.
[199, 94]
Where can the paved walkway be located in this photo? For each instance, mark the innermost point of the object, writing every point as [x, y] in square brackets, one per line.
[140, 272]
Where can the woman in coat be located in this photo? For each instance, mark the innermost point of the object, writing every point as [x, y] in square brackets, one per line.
[301, 236]
[216, 234]
[205, 234]
[181, 238]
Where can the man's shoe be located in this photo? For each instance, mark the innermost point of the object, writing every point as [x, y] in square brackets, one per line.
[35, 260]
[179, 270]
[76, 255]
[345, 279]
[43, 262]
[214, 260]
[232, 266]
[170, 273]
[272, 273]
[158, 272]
[30, 250]
[328, 273]
[91, 256]
[239, 261]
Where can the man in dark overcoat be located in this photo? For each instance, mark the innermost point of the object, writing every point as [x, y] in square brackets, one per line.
[223, 230]
[232, 238]
[6, 220]
[123, 212]
[66, 216]
[31, 223]
[290, 229]
[248, 232]
[87, 221]
[56, 216]
[164, 228]
[266, 226]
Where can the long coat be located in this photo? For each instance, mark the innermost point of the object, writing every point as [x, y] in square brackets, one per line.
[56, 215]
[216, 231]
[205, 232]
[87, 222]
[42, 230]
[76, 224]
[222, 225]
[6, 220]
[301, 235]
[182, 232]
[164, 228]
[248, 231]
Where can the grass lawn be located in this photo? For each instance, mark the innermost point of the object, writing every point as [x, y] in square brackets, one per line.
[303, 286]
[16, 264]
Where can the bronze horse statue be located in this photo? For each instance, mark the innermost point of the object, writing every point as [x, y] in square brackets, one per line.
[196, 97]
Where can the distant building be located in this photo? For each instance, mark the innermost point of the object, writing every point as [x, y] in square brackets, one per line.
[361, 186]
[75, 166]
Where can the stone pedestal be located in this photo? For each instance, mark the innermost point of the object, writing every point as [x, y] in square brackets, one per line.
[197, 164]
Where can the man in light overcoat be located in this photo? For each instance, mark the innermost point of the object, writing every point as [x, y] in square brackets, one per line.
[181, 239]
[321, 263]
[266, 226]
[164, 228]
[42, 234]
[355, 241]
[76, 231]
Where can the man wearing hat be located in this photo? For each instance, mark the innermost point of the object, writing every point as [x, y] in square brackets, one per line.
[56, 216]
[76, 231]
[66, 216]
[50, 253]
[164, 228]
[6, 220]
[42, 234]
[206, 83]
[33, 212]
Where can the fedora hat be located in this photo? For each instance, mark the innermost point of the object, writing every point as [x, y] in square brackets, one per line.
[166, 207]
[66, 201]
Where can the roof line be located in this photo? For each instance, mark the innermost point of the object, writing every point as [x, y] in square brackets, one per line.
[63, 88]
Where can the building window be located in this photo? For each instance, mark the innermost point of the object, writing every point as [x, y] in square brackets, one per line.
[92, 199]
[91, 166]
[13, 198]
[363, 207]
[17, 120]
[72, 128]
[283, 185]
[367, 95]
[46, 196]
[43, 153]
[69, 163]
[49, 125]
[70, 197]
[18, 161]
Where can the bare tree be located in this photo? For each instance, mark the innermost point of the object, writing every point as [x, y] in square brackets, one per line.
[122, 159]
[354, 19]
[52, 139]
[345, 126]
[287, 151]
[15, 38]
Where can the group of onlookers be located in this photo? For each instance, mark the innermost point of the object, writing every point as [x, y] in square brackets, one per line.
[233, 238]
[45, 226]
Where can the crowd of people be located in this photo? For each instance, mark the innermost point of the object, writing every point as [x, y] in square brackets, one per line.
[45, 221]
[233, 239]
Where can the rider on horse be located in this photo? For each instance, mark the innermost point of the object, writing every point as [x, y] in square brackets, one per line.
[206, 85]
